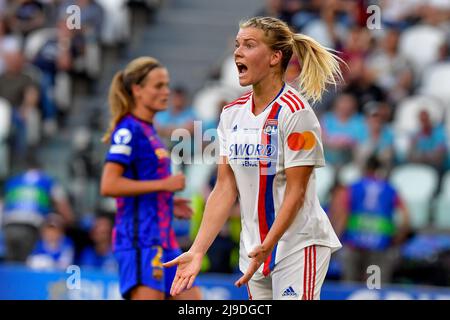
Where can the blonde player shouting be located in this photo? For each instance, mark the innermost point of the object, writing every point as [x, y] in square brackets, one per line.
[270, 143]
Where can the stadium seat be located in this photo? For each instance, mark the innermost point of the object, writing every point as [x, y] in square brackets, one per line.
[407, 113]
[416, 184]
[441, 217]
[349, 174]
[206, 101]
[5, 126]
[324, 181]
[197, 177]
[116, 26]
[406, 120]
[435, 82]
[92, 59]
[319, 31]
[420, 45]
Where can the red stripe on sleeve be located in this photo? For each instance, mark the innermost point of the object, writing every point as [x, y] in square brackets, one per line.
[288, 104]
[240, 100]
[297, 98]
[293, 102]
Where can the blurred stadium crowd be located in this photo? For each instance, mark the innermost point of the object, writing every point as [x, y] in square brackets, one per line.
[395, 105]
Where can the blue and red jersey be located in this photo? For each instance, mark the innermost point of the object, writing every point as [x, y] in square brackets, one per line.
[142, 221]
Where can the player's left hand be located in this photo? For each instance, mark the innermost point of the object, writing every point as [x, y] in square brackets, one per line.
[188, 266]
[258, 256]
[181, 208]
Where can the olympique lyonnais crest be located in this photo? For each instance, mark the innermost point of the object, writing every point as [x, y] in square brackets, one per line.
[271, 127]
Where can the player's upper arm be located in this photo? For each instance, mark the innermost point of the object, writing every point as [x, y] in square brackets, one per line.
[297, 178]
[222, 137]
[225, 176]
[301, 138]
[111, 171]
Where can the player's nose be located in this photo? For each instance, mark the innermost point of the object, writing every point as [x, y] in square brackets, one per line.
[237, 52]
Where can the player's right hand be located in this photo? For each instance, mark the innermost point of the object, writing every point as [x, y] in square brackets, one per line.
[174, 183]
[188, 266]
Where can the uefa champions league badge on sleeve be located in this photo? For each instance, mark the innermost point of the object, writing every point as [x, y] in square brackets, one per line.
[121, 139]
[122, 136]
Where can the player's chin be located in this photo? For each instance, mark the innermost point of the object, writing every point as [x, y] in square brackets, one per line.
[163, 105]
[243, 82]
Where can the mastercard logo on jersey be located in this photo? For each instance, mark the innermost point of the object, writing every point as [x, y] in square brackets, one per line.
[301, 141]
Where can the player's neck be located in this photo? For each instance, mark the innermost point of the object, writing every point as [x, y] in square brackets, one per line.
[265, 92]
[143, 114]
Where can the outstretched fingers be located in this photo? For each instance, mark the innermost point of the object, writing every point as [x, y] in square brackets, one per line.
[179, 285]
[247, 275]
[171, 263]
[191, 282]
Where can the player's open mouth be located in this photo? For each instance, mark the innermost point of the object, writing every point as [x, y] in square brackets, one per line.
[242, 68]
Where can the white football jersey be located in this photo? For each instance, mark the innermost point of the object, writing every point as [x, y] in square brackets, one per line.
[259, 149]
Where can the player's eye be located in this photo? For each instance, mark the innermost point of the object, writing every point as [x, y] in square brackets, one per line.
[250, 45]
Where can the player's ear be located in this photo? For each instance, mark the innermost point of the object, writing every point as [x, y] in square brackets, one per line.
[275, 58]
[136, 90]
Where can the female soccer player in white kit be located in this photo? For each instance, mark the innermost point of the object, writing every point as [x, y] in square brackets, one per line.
[270, 143]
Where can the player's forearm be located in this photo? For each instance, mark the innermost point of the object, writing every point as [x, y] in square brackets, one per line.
[292, 203]
[64, 209]
[405, 223]
[339, 224]
[217, 211]
[124, 187]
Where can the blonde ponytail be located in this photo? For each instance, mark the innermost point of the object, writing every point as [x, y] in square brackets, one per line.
[120, 103]
[319, 66]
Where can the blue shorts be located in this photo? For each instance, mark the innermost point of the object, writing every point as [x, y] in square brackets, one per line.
[144, 267]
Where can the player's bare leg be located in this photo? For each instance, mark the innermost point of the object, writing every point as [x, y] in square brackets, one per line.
[146, 293]
[193, 293]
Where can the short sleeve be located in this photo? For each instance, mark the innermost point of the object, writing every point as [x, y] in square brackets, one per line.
[222, 135]
[302, 139]
[122, 148]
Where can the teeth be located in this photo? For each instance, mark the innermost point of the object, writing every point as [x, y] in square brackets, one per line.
[241, 67]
